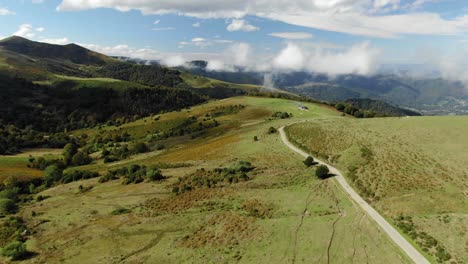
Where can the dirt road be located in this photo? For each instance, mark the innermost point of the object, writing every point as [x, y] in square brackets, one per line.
[412, 253]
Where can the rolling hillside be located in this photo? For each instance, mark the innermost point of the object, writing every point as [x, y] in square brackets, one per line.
[411, 169]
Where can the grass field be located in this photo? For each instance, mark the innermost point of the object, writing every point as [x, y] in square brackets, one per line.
[404, 166]
[283, 214]
[17, 165]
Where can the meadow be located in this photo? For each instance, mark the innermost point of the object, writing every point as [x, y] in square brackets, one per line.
[412, 169]
[281, 214]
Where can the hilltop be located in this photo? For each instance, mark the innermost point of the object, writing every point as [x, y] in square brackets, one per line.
[71, 52]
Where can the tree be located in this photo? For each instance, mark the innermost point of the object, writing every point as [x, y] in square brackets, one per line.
[340, 106]
[15, 250]
[272, 130]
[140, 148]
[52, 174]
[255, 138]
[322, 172]
[69, 151]
[80, 159]
[154, 174]
[309, 161]
[7, 206]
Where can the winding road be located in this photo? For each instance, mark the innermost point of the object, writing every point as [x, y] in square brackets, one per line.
[412, 253]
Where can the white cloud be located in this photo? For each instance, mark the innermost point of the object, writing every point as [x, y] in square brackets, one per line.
[157, 22]
[163, 29]
[37, 1]
[358, 59]
[197, 24]
[219, 65]
[6, 12]
[202, 42]
[124, 50]
[291, 58]
[40, 29]
[292, 35]
[57, 41]
[357, 17]
[384, 3]
[25, 30]
[170, 59]
[241, 25]
[451, 65]
[174, 61]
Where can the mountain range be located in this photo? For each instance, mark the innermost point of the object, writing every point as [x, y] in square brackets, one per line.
[431, 96]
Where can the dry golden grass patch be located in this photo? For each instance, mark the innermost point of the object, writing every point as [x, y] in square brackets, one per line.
[223, 229]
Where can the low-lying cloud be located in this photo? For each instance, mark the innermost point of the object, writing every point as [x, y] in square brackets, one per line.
[361, 59]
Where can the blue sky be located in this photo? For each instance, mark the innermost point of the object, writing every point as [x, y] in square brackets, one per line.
[332, 31]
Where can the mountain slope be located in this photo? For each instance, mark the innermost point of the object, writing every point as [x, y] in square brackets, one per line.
[430, 96]
[71, 52]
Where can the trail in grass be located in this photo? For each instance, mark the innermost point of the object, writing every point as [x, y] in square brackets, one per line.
[412, 253]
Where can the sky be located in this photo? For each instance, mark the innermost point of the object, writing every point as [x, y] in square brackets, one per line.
[326, 36]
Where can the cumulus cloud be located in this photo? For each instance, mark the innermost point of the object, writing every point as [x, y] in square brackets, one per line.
[25, 30]
[174, 61]
[291, 58]
[292, 35]
[241, 25]
[57, 41]
[40, 29]
[379, 18]
[6, 12]
[358, 59]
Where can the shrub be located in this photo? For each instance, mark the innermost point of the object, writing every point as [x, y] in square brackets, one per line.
[140, 148]
[255, 138]
[10, 193]
[7, 206]
[322, 172]
[154, 174]
[272, 130]
[121, 211]
[15, 250]
[258, 209]
[309, 161]
[52, 174]
[80, 159]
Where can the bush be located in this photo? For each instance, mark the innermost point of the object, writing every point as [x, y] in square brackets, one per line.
[322, 172]
[7, 206]
[272, 130]
[255, 138]
[154, 175]
[80, 159]
[15, 250]
[120, 211]
[309, 161]
[140, 148]
[52, 174]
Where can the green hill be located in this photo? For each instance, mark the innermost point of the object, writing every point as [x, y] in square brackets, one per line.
[71, 52]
